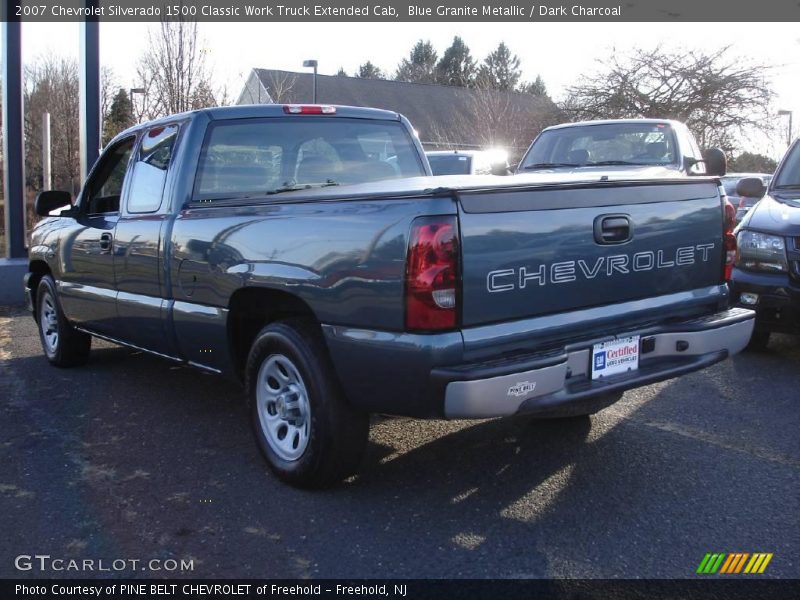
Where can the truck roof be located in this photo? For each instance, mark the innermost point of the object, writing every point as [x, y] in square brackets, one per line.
[251, 111]
[612, 121]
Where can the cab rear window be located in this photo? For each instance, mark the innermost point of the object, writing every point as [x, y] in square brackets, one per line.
[252, 157]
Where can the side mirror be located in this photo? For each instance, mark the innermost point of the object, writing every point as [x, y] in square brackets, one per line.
[51, 200]
[752, 187]
[500, 169]
[716, 162]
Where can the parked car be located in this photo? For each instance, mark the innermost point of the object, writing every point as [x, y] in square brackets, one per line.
[468, 162]
[766, 275]
[274, 245]
[742, 203]
[642, 147]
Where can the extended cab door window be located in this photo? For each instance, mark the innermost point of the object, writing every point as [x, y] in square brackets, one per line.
[150, 169]
[104, 189]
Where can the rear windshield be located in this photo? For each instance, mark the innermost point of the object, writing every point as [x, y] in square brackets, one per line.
[251, 157]
[449, 164]
[614, 143]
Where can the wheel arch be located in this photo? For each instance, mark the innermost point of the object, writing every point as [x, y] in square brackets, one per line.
[36, 269]
[250, 309]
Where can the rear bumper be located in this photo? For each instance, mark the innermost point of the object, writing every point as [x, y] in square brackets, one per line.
[402, 373]
[563, 380]
[778, 306]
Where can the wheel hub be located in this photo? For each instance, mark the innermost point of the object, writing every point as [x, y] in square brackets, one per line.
[283, 407]
[48, 322]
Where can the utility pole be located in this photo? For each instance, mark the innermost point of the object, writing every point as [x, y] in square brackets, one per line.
[89, 91]
[787, 113]
[47, 180]
[13, 137]
[313, 63]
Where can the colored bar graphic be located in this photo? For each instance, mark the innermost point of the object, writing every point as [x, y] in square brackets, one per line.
[740, 564]
[716, 564]
[734, 563]
[703, 563]
[728, 563]
[751, 564]
[765, 563]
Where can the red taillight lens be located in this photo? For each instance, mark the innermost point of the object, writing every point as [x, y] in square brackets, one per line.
[432, 283]
[308, 109]
[729, 240]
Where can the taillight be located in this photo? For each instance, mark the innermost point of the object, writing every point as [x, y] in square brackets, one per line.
[432, 281]
[729, 240]
[308, 109]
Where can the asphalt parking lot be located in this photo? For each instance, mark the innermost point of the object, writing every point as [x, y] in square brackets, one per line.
[132, 457]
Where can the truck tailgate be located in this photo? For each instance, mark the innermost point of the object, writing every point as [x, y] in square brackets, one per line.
[530, 252]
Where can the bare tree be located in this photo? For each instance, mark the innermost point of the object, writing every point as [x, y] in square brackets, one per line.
[280, 85]
[719, 96]
[51, 85]
[173, 72]
[109, 86]
[495, 119]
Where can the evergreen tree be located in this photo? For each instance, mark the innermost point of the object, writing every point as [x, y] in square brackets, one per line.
[341, 72]
[369, 71]
[420, 66]
[120, 115]
[457, 66]
[535, 87]
[500, 70]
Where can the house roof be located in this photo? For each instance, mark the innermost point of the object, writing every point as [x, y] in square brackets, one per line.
[432, 109]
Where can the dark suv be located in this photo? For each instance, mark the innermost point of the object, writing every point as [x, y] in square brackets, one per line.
[766, 275]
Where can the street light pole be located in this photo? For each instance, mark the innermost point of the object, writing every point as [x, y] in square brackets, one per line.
[47, 179]
[131, 92]
[312, 63]
[784, 113]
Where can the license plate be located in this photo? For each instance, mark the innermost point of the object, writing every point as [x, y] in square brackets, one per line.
[618, 356]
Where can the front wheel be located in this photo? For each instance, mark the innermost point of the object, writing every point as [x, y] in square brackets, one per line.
[63, 345]
[308, 433]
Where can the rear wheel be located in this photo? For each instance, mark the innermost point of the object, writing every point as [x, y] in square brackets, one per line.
[63, 345]
[758, 341]
[310, 436]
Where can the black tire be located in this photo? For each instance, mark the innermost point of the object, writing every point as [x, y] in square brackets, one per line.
[758, 341]
[68, 347]
[307, 405]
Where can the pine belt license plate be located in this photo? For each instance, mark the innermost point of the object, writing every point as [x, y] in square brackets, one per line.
[617, 356]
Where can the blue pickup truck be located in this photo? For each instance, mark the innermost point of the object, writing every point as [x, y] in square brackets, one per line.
[307, 252]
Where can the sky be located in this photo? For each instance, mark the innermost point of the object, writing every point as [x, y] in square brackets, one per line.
[559, 52]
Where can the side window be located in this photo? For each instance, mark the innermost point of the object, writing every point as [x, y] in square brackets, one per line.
[150, 169]
[105, 187]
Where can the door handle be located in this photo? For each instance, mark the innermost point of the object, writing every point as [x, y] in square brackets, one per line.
[613, 229]
[105, 241]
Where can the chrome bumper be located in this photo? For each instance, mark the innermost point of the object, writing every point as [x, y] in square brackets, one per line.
[561, 380]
